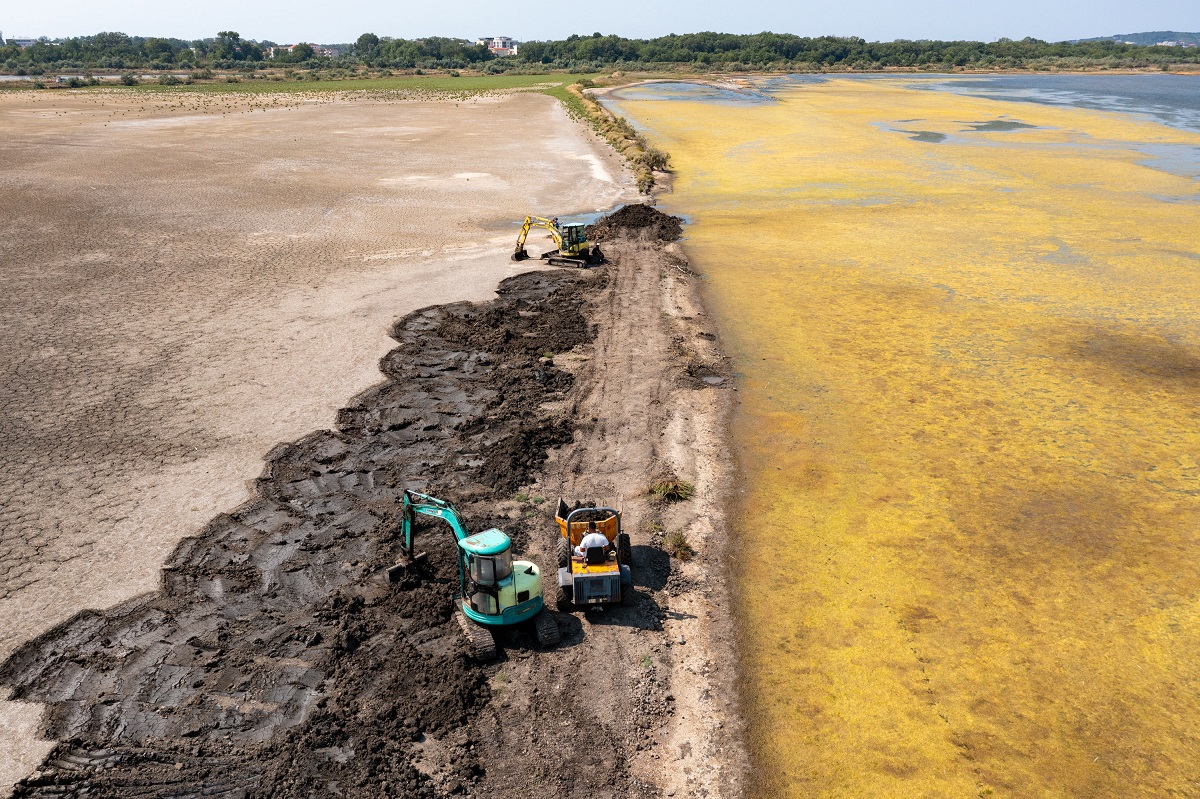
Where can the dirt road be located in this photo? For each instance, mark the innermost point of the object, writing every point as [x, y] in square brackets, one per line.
[277, 660]
[190, 279]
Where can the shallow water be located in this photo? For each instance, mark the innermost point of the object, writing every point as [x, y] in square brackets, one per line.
[968, 434]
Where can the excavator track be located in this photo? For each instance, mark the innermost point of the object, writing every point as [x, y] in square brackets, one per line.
[546, 629]
[479, 638]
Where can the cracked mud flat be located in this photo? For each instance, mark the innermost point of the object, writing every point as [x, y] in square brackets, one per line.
[278, 661]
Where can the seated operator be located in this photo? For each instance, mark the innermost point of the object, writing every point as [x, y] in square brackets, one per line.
[594, 538]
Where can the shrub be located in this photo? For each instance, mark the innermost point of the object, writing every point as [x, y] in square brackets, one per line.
[168, 80]
[656, 159]
[672, 490]
[677, 545]
[129, 79]
[74, 82]
[232, 79]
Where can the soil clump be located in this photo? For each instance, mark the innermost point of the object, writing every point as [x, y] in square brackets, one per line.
[637, 220]
[277, 660]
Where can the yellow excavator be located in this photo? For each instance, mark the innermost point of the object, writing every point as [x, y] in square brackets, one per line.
[571, 245]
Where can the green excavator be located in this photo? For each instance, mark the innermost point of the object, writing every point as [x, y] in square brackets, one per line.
[570, 241]
[493, 589]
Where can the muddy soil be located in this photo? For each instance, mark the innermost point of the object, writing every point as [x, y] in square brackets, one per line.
[639, 221]
[277, 660]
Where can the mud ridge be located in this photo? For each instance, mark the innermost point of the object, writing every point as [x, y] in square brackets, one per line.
[275, 660]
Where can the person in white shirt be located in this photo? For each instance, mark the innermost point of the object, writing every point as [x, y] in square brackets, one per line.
[594, 538]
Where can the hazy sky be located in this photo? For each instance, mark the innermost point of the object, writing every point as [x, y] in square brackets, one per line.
[330, 21]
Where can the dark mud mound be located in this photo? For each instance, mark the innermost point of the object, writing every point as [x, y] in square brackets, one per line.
[642, 221]
[277, 660]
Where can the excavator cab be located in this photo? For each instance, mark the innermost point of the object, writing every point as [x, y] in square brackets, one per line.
[573, 238]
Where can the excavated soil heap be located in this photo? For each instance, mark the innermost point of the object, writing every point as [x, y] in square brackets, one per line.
[277, 660]
[638, 221]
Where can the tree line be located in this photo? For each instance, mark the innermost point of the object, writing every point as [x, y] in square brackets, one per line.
[786, 51]
[700, 51]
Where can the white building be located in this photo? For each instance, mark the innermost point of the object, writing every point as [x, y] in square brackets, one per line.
[500, 45]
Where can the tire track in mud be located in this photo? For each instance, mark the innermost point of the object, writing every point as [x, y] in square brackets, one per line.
[276, 660]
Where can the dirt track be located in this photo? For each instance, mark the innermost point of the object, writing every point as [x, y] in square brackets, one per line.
[277, 661]
[187, 283]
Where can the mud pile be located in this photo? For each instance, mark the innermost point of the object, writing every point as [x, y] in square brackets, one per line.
[639, 220]
[277, 660]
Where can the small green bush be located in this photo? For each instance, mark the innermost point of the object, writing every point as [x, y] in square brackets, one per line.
[677, 545]
[129, 79]
[656, 159]
[168, 80]
[672, 490]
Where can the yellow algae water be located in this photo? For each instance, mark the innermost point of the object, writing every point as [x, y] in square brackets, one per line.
[968, 554]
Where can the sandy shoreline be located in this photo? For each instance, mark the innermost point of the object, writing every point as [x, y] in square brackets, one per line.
[187, 289]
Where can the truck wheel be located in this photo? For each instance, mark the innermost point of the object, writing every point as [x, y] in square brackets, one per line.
[479, 638]
[624, 550]
[564, 595]
[564, 553]
[546, 630]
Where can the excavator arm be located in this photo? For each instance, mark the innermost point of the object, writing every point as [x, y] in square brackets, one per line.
[425, 505]
[531, 222]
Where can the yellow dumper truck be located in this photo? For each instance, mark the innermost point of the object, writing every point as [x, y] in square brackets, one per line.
[594, 557]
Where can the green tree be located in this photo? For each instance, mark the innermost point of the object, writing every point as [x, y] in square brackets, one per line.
[366, 45]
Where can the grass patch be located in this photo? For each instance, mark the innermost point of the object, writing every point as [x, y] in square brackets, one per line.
[677, 545]
[672, 490]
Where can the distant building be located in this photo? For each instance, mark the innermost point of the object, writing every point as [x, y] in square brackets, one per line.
[499, 45]
[20, 42]
[328, 52]
[1174, 44]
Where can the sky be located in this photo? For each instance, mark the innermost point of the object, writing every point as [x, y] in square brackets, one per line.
[331, 22]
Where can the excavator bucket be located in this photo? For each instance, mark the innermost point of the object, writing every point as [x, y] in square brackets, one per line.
[405, 562]
[520, 255]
